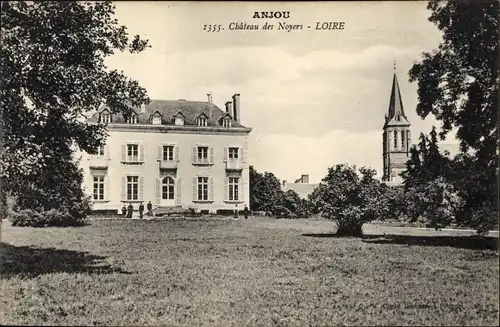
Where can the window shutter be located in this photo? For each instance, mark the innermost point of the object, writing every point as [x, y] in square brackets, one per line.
[178, 190]
[124, 188]
[158, 191]
[106, 187]
[194, 189]
[210, 188]
[241, 186]
[226, 188]
[226, 154]
[211, 150]
[124, 152]
[160, 152]
[194, 155]
[141, 188]
[106, 152]
[176, 153]
[141, 152]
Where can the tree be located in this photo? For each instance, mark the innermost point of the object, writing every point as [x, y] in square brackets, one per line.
[265, 191]
[458, 84]
[426, 162]
[349, 200]
[296, 207]
[53, 75]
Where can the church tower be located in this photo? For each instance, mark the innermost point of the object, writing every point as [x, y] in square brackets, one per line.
[396, 136]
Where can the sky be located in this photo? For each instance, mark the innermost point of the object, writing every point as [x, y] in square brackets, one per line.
[314, 98]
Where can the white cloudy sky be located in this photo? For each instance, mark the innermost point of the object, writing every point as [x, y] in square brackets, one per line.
[313, 98]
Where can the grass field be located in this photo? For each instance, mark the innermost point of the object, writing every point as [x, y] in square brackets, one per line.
[255, 272]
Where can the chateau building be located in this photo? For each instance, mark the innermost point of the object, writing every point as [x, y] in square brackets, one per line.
[176, 154]
[396, 137]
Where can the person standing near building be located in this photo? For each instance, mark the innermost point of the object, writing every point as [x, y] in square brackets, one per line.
[245, 212]
[124, 211]
[141, 210]
[150, 208]
[236, 212]
[130, 210]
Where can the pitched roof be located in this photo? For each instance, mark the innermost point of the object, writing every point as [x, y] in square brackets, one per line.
[168, 108]
[395, 105]
[303, 190]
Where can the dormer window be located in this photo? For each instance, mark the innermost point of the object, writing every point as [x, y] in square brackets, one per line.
[398, 118]
[105, 118]
[226, 122]
[156, 120]
[202, 121]
[132, 119]
[179, 120]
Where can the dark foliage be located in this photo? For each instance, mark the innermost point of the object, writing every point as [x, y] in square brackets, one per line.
[267, 195]
[458, 84]
[352, 200]
[53, 75]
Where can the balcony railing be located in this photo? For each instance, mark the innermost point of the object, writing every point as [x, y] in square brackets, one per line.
[234, 165]
[169, 164]
[201, 161]
[98, 162]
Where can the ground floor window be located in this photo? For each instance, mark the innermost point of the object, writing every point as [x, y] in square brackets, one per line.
[168, 188]
[132, 187]
[98, 187]
[203, 188]
[233, 188]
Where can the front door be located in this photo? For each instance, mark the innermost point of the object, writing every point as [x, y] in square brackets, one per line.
[167, 192]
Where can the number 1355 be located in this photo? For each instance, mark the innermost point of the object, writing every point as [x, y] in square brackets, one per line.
[212, 28]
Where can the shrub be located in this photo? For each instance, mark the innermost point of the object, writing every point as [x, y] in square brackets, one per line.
[52, 217]
[280, 211]
[351, 200]
[435, 202]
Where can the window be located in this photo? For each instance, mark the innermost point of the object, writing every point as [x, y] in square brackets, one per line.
[202, 188]
[233, 153]
[398, 118]
[132, 188]
[98, 187]
[100, 151]
[132, 152]
[395, 139]
[202, 121]
[105, 118]
[233, 188]
[179, 120]
[168, 188]
[156, 120]
[226, 123]
[202, 154]
[132, 119]
[402, 139]
[168, 153]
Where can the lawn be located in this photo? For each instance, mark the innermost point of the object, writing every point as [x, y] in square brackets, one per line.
[255, 272]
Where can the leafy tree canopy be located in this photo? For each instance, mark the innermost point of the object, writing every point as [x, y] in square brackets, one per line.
[53, 74]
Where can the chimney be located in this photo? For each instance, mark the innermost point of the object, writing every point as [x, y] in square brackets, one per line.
[284, 183]
[209, 96]
[305, 179]
[236, 108]
[143, 108]
[229, 108]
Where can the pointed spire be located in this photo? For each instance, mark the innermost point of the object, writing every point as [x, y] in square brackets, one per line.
[395, 102]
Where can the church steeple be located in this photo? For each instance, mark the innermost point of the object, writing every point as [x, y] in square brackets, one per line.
[395, 114]
[396, 136]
